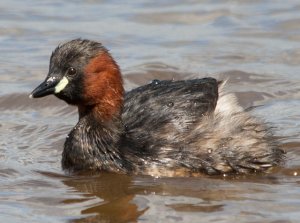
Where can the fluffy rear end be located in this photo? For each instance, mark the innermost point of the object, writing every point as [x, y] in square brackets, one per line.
[239, 142]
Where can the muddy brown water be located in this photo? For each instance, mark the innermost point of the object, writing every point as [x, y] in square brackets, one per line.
[253, 44]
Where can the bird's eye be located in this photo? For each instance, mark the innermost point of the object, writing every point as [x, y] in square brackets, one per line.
[71, 71]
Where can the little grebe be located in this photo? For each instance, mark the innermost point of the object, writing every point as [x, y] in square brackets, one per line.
[165, 128]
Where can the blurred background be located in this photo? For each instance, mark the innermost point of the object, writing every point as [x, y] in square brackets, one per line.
[255, 44]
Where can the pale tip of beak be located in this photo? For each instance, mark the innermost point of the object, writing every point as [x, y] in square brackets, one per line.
[30, 96]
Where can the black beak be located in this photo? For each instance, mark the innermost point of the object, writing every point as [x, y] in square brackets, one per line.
[45, 88]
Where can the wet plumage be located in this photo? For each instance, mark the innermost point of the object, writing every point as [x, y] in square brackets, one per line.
[165, 128]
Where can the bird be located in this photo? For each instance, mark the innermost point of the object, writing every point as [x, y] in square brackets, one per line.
[164, 128]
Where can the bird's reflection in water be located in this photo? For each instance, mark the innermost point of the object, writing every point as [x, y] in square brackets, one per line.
[116, 197]
[122, 198]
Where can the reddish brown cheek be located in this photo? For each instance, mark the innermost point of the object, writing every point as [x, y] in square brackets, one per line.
[103, 85]
[93, 88]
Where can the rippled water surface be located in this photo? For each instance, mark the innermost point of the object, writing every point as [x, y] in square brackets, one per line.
[254, 44]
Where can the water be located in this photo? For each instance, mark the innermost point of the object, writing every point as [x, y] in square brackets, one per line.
[254, 44]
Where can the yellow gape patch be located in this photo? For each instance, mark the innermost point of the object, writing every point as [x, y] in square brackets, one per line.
[61, 85]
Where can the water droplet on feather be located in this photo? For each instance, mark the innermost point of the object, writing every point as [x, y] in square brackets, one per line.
[155, 81]
[170, 104]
